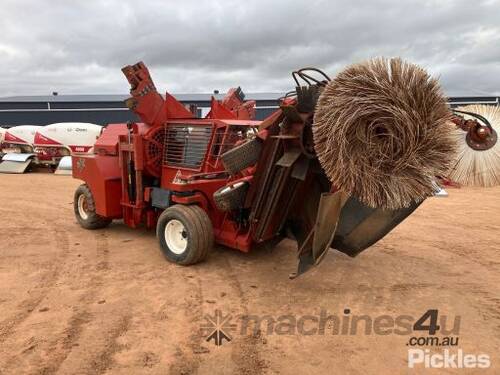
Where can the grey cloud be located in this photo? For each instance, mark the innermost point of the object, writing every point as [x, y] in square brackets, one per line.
[197, 46]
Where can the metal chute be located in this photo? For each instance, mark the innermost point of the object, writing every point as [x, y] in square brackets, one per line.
[345, 224]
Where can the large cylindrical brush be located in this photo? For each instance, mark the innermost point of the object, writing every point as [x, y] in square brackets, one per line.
[382, 132]
[478, 167]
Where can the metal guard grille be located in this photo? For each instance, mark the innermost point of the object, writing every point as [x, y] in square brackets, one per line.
[186, 145]
[224, 140]
[154, 150]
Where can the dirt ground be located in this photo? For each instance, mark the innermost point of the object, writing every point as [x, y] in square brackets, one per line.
[74, 301]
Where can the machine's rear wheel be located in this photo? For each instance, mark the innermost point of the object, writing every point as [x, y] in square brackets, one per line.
[185, 234]
[231, 197]
[84, 207]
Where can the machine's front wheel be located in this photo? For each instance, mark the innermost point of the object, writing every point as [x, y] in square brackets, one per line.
[84, 207]
[185, 234]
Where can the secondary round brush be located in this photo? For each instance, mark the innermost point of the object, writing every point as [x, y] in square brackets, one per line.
[478, 167]
[382, 132]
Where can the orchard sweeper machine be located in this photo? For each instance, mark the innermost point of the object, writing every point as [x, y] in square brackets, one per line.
[338, 165]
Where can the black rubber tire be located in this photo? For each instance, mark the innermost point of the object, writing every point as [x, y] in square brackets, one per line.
[231, 197]
[198, 231]
[242, 156]
[93, 220]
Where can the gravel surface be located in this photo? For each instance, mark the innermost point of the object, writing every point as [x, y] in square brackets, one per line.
[74, 301]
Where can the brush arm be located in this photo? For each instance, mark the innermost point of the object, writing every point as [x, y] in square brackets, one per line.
[480, 137]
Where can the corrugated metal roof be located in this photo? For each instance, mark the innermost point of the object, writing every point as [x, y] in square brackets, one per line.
[64, 98]
[120, 98]
[259, 96]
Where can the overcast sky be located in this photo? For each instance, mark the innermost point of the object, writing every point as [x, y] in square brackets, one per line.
[78, 47]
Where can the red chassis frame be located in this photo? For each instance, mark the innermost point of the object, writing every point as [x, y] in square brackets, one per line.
[106, 174]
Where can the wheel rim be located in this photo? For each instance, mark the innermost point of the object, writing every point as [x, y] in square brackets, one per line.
[83, 207]
[176, 236]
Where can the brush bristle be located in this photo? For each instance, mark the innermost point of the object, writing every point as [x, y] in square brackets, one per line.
[478, 168]
[382, 132]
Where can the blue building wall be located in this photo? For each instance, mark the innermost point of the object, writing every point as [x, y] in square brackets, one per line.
[105, 109]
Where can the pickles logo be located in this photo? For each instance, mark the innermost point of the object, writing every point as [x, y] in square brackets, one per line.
[447, 359]
[218, 327]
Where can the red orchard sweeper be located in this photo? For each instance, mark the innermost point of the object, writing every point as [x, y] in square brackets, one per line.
[324, 169]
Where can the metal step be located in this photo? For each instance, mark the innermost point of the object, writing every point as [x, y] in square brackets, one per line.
[65, 166]
[18, 167]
